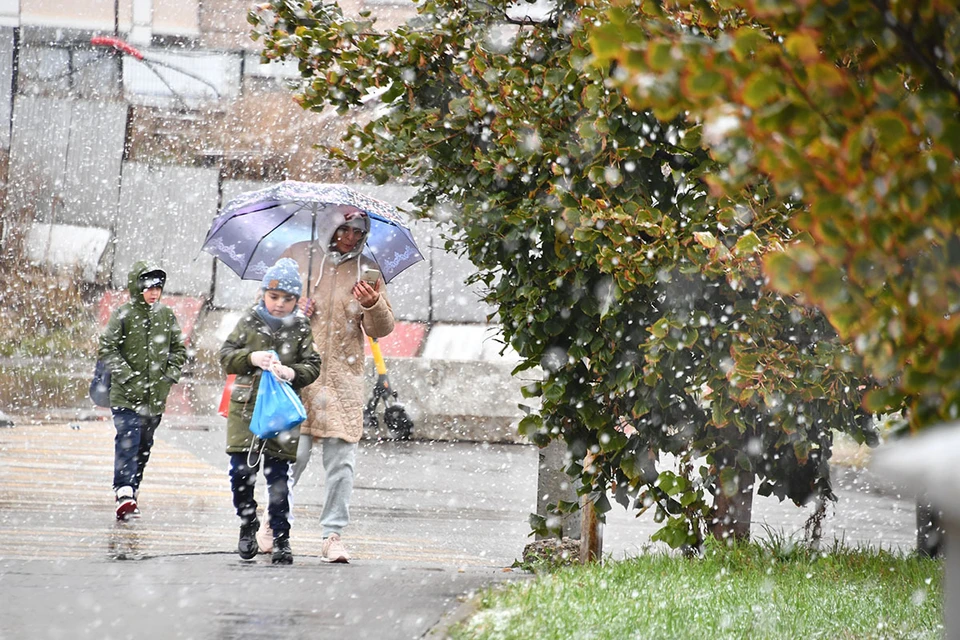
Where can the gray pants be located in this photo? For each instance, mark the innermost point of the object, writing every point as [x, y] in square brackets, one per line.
[339, 457]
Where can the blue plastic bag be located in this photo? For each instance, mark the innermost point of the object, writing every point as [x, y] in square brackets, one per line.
[277, 408]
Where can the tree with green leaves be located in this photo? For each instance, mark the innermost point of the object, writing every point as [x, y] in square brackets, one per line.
[849, 109]
[612, 265]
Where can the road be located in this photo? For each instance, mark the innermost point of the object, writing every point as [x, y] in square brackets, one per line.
[431, 524]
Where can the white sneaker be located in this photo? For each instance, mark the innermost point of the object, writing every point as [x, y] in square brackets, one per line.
[333, 550]
[265, 536]
[126, 504]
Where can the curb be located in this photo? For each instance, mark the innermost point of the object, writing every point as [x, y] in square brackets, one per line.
[466, 609]
[469, 607]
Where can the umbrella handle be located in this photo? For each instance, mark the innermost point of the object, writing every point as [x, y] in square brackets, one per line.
[377, 357]
[312, 249]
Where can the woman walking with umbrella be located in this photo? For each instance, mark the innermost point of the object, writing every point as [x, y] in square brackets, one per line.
[346, 299]
[347, 246]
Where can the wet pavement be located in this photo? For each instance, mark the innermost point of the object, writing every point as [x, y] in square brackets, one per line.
[432, 522]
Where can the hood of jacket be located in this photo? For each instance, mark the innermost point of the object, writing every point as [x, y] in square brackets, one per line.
[133, 279]
[330, 219]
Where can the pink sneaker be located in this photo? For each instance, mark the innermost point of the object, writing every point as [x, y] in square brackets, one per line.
[333, 550]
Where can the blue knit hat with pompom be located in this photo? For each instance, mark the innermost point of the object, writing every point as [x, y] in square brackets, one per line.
[283, 276]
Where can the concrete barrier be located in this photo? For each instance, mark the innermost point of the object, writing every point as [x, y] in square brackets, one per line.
[457, 400]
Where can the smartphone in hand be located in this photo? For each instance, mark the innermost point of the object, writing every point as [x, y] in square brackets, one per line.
[370, 276]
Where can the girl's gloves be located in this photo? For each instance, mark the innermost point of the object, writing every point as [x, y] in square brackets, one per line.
[268, 362]
[283, 372]
[263, 359]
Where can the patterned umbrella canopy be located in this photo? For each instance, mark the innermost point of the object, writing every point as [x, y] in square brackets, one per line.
[256, 227]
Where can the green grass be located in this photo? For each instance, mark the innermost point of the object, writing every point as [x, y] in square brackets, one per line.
[754, 592]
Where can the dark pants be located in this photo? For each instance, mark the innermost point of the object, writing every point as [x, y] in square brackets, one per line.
[131, 447]
[243, 480]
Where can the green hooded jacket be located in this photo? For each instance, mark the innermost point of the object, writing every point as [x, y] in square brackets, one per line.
[294, 345]
[143, 348]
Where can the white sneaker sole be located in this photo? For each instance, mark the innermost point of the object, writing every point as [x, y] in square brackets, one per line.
[336, 560]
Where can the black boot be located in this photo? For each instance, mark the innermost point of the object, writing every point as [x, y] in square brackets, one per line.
[247, 546]
[281, 550]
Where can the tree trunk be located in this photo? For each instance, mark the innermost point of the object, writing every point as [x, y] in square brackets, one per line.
[732, 513]
[813, 527]
[554, 485]
[591, 535]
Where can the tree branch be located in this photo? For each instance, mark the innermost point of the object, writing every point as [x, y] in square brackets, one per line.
[810, 102]
[913, 50]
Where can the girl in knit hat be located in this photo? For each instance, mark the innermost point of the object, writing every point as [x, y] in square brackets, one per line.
[272, 326]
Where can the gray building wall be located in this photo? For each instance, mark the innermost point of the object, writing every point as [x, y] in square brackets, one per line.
[164, 215]
[91, 174]
[69, 124]
[65, 159]
[38, 151]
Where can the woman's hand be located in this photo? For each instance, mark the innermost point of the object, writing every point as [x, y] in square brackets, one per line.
[308, 306]
[366, 294]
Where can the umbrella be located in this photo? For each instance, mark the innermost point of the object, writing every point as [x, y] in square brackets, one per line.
[256, 227]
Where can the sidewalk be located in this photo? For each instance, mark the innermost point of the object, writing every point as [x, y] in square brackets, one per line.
[432, 523]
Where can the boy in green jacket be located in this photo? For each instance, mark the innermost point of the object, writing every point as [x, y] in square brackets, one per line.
[272, 325]
[143, 349]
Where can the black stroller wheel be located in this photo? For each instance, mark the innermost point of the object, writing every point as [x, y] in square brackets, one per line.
[398, 422]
